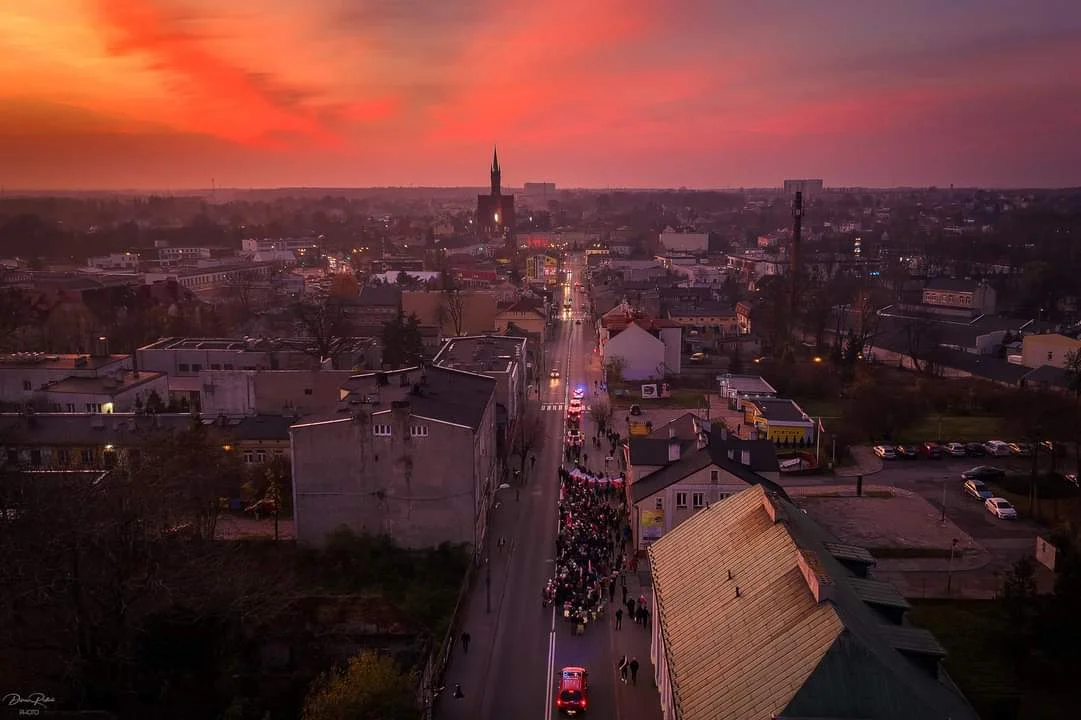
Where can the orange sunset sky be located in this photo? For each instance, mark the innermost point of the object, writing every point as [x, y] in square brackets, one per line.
[168, 94]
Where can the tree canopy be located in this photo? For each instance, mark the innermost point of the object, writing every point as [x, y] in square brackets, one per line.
[370, 686]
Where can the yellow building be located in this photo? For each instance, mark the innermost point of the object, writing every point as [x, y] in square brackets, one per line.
[1050, 349]
[779, 420]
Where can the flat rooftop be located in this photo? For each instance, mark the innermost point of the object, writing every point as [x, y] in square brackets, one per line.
[51, 361]
[780, 410]
[482, 353]
[102, 385]
[751, 384]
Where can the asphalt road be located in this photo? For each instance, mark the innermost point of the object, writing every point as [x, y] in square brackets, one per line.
[531, 643]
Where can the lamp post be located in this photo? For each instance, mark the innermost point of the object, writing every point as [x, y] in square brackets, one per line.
[943, 518]
[949, 568]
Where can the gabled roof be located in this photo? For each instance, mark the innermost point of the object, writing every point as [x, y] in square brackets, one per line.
[630, 331]
[796, 640]
[691, 461]
[525, 305]
[381, 295]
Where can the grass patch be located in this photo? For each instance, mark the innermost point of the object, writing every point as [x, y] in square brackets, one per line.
[821, 408]
[977, 660]
[955, 428]
[1048, 512]
[912, 553]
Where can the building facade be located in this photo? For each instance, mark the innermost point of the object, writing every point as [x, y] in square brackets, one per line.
[495, 211]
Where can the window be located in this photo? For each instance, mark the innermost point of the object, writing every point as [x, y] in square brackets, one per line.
[93, 407]
[71, 407]
[681, 500]
[381, 430]
[27, 385]
[88, 456]
[35, 457]
[418, 431]
[698, 500]
[249, 457]
[63, 457]
[714, 476]
[196, 367]
[659, 504]
[307, 391]
[260, 456]
[228, 366]
[182, 367]
[1050, 356]
[215, 366]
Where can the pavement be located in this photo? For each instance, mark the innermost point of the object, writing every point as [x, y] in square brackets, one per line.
[517, 647]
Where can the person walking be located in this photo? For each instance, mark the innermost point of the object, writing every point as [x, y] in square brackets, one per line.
[624, 591]
[623, 667]
[465, 643]
[633, 666]
[458, 691]
[630, 607]
[611, 592]
[619, 618]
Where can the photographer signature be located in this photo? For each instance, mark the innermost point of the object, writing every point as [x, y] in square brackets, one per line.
[37, 700]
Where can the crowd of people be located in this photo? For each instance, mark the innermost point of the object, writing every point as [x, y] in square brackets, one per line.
[589, 546]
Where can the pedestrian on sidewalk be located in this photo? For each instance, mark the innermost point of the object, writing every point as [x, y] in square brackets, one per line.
[630, 607]
[465, 643]
[611, 592]
[458, 694]
[619, 619]
[623, 666]
[640, 615]
[633, 665]
[624, 591]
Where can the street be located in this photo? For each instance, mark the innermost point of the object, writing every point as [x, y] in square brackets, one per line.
[529, 644]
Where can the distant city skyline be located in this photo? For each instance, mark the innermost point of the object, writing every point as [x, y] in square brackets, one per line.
[167, 94]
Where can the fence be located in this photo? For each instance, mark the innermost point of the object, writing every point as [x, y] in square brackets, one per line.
[435, 667]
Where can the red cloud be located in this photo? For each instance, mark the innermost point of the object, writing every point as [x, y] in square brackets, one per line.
[217, 97]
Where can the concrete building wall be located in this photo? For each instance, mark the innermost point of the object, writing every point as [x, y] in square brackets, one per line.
[270, 392]
[685, 242]
[21, 382]
[120, 400]
[643, 356]
[673, 347]
[1050, 349]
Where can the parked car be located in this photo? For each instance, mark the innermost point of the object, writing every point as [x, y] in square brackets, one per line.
[956, 449]
[932, 450]
[977, 489]
[975, 449]
[907, 452]
[1021, 449]
[983, 472]
[1000, 508]
[885, 452]
[997, 448]
[1072, 479]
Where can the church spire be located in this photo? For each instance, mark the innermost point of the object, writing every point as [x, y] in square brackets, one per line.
[495, 172]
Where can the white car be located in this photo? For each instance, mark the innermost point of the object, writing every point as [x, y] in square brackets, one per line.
[885, 452]
[977, 489]
[997, 448]
[578, 394]
[956, 449]
[1000, 508]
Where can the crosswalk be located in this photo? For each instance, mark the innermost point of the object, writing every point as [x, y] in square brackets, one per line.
[556, 407]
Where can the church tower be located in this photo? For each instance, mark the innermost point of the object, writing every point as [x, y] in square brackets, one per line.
[496, 190]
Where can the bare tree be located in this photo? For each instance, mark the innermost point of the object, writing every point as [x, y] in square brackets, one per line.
[19, 311]
[326, 324]
[922, 344]
[614, 366]
[528, 435]
[601, 412]
[451, 310]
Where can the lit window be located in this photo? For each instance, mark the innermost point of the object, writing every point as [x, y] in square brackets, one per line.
[381, 430]
[681, 500]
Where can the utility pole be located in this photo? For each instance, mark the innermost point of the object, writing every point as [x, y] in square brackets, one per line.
[949, 568]
[794, 268]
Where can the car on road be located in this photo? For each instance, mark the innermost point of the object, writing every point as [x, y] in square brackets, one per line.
[575, 407]
[577, 322]
[1021, 449]
[578, 393]
[956, 449]
[1000, 508]
[983, 472]
[636, 410]
[554, 374]
[977, 489]
[574, 437]
[572, 695]
[885, 452]
[975, 449]
[997, 448]
[932, 450]
[906, 452]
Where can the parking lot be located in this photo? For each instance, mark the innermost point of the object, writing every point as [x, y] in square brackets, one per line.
[913, 519]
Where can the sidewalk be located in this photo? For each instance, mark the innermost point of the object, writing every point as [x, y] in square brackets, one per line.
[641, 701]
[866, 462]
[471, 669]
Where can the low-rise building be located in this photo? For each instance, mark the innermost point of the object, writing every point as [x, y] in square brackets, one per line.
[526, 313]
[23, 376]
[1048, 349]
[124, 261]
[411, 454]
[958, 294]
[499, 357]
[761, 614]
[118, 393]
[707, 317]
[297, 393]
[737, 388]
[641, 346]
[779, 420]
[691, 476]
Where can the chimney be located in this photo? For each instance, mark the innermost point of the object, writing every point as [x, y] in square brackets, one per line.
[673, 449]
[701, 441]
[745, 458]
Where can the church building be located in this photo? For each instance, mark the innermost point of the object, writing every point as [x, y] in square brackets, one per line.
[495, 212]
